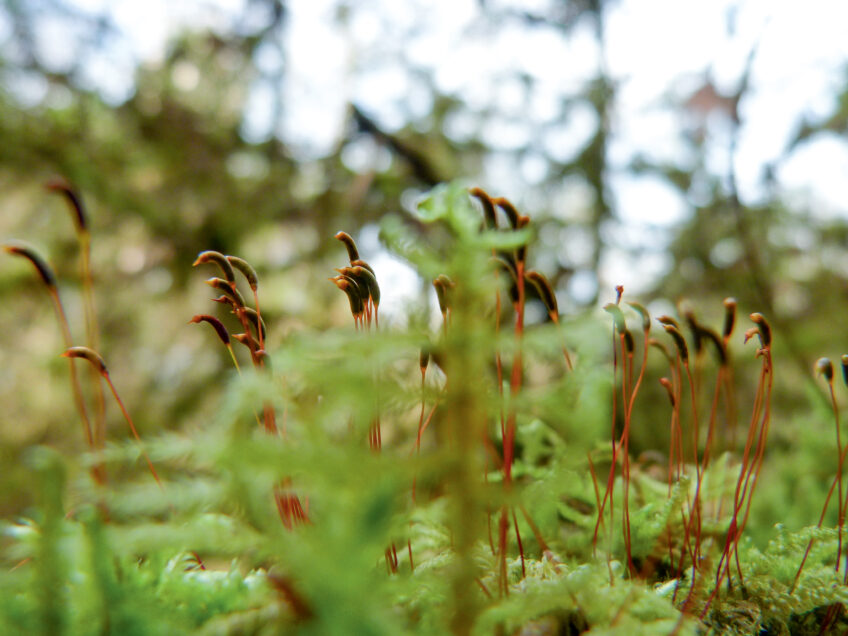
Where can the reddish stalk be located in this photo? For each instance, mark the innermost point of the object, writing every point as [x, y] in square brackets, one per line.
[516, 221]
[758, 428]
[696, 516]
[608, 493]
[825, 368]
[80, 219]
[625, 436]
[48, 278]
[95, 359]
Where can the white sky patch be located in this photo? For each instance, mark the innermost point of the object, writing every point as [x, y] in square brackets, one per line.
[146, 26]
[648, 201]
[316, 92]
[817, 175]
[657, 41]
[399, 286]
[636, 272]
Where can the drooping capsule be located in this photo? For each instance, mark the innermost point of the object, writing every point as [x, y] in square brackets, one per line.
[350, 244]
[247, 271]
[74, 201]
[228, 290]
[729, 316]
[444, 286]
[88, 354]
[825, 367]
[27, 251]
[217, 325]
[844, 361]
[646, 317]
[488, 207]
[679, 341]
[545, 291]
[764, 327]
[211, 256]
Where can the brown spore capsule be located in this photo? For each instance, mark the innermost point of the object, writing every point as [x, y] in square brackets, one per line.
[443, 286]
[350, 244]
[825, 367]
[629, 342]
[217, 325]
[646, 317]
[255, 320]
[765, 328]
[74, 201]
[679, 341]
[88, 354]
[351, 289]
[729, 316]
[668, 320]
[211, 256]
[709, 334]
[510, 211]
[695, 329]
[488, 207]
[546, 292]
[224, 287]
[246, 270]
[668, 389]
[19, 248]
[844, 360]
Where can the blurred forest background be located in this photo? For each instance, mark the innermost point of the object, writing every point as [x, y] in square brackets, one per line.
[261, 127]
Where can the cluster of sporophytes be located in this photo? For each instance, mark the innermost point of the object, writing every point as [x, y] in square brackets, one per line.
[485, 455]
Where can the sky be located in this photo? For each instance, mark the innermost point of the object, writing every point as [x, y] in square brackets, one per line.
[657, 52]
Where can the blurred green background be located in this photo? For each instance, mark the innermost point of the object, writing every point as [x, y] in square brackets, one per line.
[685, 155]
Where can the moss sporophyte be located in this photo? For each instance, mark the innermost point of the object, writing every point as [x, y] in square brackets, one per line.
[488, 440]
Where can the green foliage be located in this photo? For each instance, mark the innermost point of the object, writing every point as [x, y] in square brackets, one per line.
[213, 551]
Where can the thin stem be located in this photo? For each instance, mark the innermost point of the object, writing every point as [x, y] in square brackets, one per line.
[75, 385]
[127, 417]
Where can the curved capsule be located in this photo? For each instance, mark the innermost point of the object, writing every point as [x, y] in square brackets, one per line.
[358, 262]
[668, 320]
[696, 329]
[247, 271]
[365, 279]
[668, 388]
[646, 317]
[228, 290]
[89, 354]
[255, 320]
[764, 327]
[679, 341]
[844, 361]
[488, 207]
[825, 367]
[354, 295]
[443, 286]
[27, 251]
[64, 188]
[546, 292]
[510, 211]
[211, 256]
[217, 325]
[350, 244]
[712, 336]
